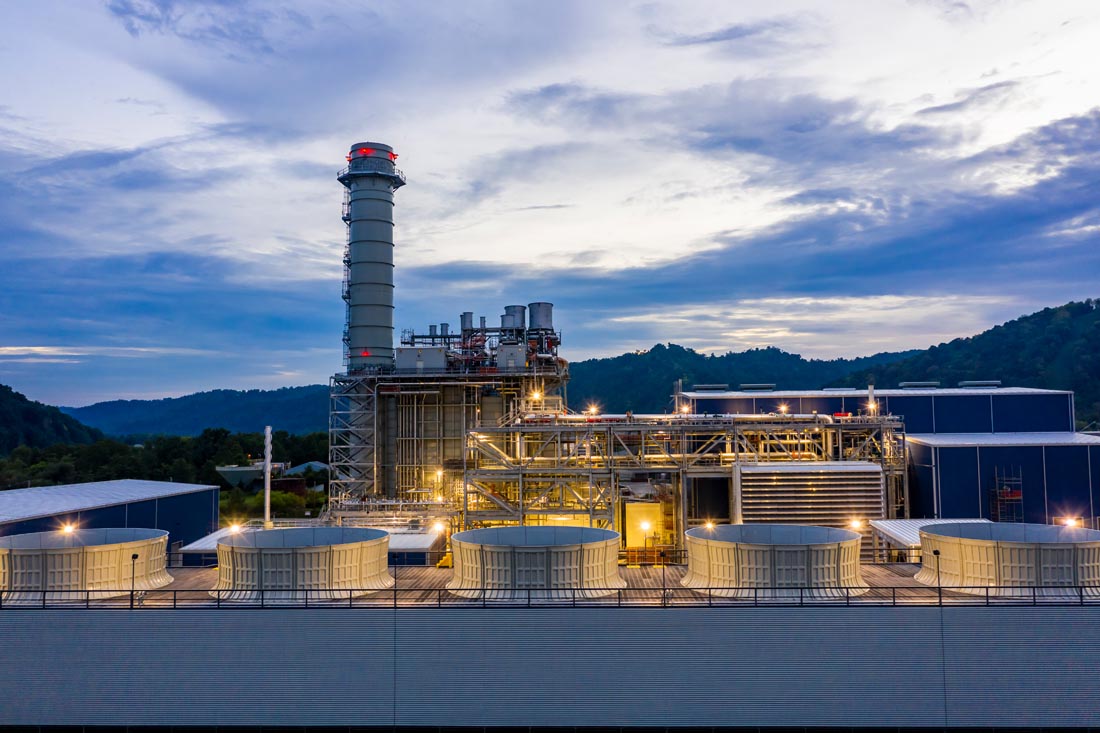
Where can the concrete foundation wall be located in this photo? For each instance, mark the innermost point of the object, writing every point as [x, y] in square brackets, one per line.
[536, 667]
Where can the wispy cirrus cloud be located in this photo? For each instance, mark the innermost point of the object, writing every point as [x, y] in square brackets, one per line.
[971, 98]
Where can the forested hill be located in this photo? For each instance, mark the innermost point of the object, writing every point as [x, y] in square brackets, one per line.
[642, 381]
[296, 410]
[25, 422]
[638, 381]
[1056, 348]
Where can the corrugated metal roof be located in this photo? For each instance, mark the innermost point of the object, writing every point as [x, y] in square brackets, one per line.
[906, 532]
[806, 466]
[915, 392]
[399, 541]
[956, 440]
[45, 501]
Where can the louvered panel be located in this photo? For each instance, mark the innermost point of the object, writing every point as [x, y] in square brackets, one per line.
[811, 496]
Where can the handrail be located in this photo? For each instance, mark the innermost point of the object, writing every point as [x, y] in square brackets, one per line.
[665, 596]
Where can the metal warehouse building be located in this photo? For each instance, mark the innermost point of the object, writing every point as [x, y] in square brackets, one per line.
[925, 410]
[1009, 477]
[186, 511]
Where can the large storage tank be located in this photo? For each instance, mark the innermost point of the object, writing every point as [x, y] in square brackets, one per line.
[504, 563]
[774, 561]
[80, 564]
[541, 316]
[1011, 559]
[302, 563]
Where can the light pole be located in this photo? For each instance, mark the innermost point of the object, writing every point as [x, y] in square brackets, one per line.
[939, 586]
[664, 565]
[133, 576]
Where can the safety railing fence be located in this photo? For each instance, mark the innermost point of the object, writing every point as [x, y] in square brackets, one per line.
[655, 597]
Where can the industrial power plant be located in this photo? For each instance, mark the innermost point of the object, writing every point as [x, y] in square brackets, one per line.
[865, 546]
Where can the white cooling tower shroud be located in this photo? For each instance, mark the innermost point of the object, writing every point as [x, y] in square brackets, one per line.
[773, 561]
[516, 563]
[302, 563]
[82, 564]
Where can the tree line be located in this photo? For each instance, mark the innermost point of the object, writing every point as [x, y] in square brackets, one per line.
[180, 459]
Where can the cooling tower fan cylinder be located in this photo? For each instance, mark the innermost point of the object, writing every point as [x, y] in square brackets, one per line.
[371, 179]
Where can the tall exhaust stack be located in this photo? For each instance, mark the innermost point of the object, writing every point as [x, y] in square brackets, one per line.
[370, 179]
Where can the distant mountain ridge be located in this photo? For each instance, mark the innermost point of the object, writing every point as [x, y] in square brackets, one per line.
[642, 381]
[297, 410]
[1056, 348]
[30, 423]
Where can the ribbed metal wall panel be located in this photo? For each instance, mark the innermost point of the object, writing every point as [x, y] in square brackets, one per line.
[1057, 481]
[958, 494]
[962, 414]
[916, 409]
[759, 667]
[230, 667]
[1068, 490]
[1033, 413]
[1030, 668]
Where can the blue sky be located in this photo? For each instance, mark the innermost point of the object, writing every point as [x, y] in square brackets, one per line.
[835, 179]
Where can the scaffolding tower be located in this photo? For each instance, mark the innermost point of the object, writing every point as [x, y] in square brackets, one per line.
[1007, 495]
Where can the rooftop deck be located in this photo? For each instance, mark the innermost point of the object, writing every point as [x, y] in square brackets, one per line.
[647, 586]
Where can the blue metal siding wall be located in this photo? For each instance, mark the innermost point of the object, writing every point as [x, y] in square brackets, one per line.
[724, 406]
[917, 411]
[962, 414]
[927, 412]
[107, 516]
[957, 469]
[921, 481]
[772, 404]
[1034, 413]
[43, 524]
[1029, 461]
[822, 405]
[1002, 666]
[103, 517]
[1094, 469]
[1068, 481]
[187, 517]
[143, 514]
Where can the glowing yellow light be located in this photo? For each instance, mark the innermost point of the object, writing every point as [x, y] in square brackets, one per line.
[709, 525]
[439, 473]
[536, 395]
[234, 528]
[68, 529]
[856, 524]
[872, 406]
[438, 527]
[645, 526]
[685, 409]
[1072, 522]
[439, 498]
[593, 409]
[783, 408]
